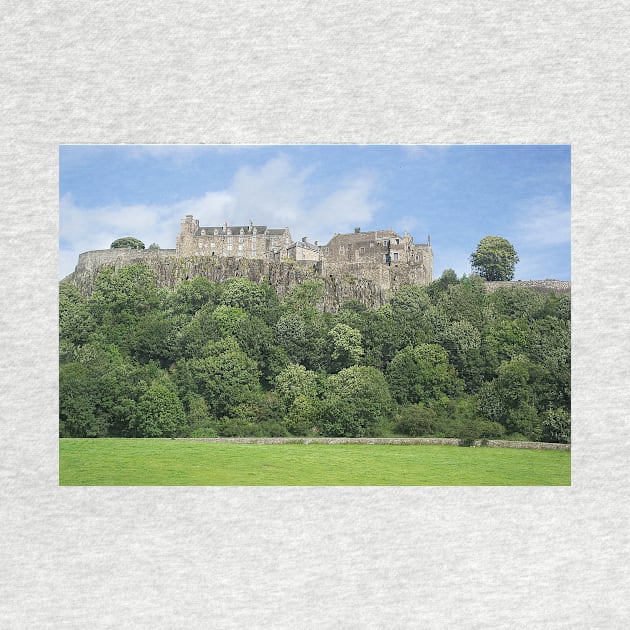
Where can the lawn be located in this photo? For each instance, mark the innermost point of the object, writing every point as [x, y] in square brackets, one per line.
[158, 462]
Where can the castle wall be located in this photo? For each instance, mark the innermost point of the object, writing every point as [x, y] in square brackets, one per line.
[543, 286]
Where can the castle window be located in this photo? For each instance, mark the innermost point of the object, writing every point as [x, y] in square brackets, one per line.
[216, 231]
[371, 244]
[397, 241]
[384, 243]
[230, 240]
[416, 257]
[230, 247]
[203, 232]
[200, 245]
[361, 250]
[395, 256]
[341, 249]
[240, 239]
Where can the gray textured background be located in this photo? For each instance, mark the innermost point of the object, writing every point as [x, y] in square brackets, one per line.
[313, 72]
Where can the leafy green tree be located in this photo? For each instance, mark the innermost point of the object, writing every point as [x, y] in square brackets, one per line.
[303, 415]
[226, 377]
[346, 348]
[421, 374]
[290, 334]
[160, 412]
[556, 426]
[76, 322]
[440, 285]
[227, 318]
[191, 295]
[357, 403]
[303, 298]
[245, 294]
[295, 380]
[417, 420]
[517, 302]
[127, 241]
[494, 258]
[77, 403]
[121, 296]
[466, 300]
[154, 246]
[510, 399]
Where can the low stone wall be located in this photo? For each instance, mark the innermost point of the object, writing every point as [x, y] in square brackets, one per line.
[397, 441]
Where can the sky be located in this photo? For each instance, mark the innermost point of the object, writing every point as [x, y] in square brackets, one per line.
[457, 194]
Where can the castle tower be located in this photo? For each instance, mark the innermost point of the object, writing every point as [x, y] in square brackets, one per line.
[184, 245]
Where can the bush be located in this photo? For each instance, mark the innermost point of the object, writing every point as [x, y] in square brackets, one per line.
[556, 426]
[417, 420]
[127, 241]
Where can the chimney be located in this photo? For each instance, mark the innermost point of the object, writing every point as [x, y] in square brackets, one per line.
[315, 242]
[304, 239]
[357, 230]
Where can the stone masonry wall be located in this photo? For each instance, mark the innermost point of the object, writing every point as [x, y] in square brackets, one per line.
[539, 446]
[544, 286]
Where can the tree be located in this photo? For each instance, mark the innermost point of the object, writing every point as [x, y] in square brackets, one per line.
[494, 259]
[357, 403]
[127, 241]
[160, 411]
[346, 346]
[421, 374]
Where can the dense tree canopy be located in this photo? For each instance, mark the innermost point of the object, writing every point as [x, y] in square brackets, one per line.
[231, 359]
[130, 241]
[494, 258]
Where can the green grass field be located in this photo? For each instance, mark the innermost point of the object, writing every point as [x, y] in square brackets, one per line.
[157, 462]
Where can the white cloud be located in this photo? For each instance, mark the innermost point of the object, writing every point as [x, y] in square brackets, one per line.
[276, 194]
[544, 221]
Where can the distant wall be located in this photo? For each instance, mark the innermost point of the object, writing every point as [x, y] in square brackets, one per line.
[544, 286]
[118, 257]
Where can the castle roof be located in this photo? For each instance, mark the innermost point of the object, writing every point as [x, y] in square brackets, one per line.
[305, 245]
[236, 229]
[355, 237]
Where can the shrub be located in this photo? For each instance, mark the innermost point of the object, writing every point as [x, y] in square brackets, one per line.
[417, 420]
[556, 426]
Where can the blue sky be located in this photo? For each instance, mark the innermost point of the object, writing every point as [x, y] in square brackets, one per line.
[456, 193]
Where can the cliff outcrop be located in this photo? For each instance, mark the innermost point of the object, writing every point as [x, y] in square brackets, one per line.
[370, 284]
[171, 269]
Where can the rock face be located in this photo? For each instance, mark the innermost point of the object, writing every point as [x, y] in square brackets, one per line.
[369, 283]
[372, 289]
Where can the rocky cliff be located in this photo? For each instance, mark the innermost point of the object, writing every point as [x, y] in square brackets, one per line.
[171, 270]
[371, 284]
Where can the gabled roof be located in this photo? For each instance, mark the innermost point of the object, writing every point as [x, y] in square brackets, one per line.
[236, 229]
[303, 245]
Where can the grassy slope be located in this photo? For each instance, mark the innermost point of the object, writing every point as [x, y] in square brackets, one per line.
[174, 463]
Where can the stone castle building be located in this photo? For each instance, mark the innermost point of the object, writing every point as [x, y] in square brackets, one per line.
[344, 252]
[364, 266]
[241, 241]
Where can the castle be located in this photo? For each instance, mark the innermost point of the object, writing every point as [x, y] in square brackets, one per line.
[380, 248]
[364, 266]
